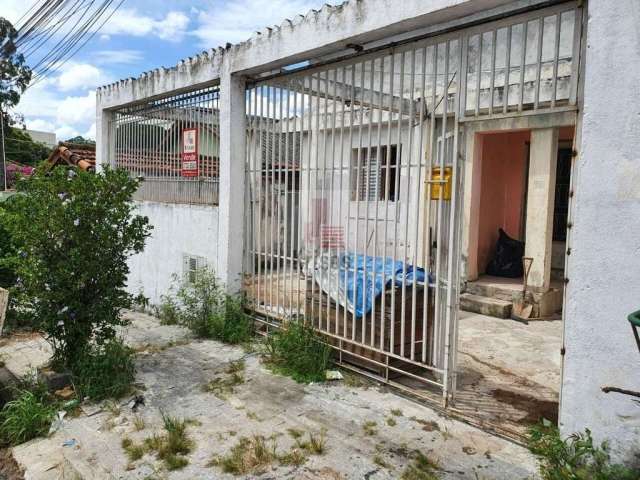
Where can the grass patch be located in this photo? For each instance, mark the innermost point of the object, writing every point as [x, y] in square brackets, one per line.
[575, 457]
[379, 461]
[421, 468]
[209, 312]
[134, 451]
[173, 446]
[168, 311]
[370, 428]
[315, 444]
[294, 457]
[249, 455]
[224, 386]
[27, 416]
[105, 371]
[391, 421]
[297, 352]
[138, 423]
[396, 412]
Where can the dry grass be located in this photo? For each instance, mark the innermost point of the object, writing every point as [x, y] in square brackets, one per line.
[223, 386]
[370, 428]
[421, 468]
[249, 455]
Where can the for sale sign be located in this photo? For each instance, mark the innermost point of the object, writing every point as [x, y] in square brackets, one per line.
[190, 152]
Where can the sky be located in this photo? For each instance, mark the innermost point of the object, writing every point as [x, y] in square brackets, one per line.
[141, 36]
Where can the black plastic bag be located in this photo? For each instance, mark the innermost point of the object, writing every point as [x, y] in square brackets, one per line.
[507, 259]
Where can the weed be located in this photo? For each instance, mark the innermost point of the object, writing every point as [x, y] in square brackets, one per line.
[421, 468]
[208, 311]
[252, 416]
[574, 458]
[378, 460]
[222, 387]
[27, 416]
[295, 433]
[105, 371]
[138, 423]
[391, 422]
[174, 444]
[113, 408]
[316, 443]
[297, 351]
[168, 311]
[248, 455]
[134, 451]
[295, 457]
[396, 412]
[370, 428]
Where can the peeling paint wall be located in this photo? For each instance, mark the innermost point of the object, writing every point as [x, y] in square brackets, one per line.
[604, 266]
[178, 229]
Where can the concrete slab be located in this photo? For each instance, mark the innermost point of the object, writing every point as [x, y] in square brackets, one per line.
[508, 372]
[171, 379]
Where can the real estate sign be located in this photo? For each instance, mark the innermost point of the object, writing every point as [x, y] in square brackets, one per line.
[189, 152]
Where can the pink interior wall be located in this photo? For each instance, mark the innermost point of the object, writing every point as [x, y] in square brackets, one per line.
[502, 188]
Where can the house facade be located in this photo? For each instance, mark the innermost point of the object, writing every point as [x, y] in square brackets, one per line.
[355, 165]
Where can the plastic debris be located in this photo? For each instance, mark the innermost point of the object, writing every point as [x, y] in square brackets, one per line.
[333, 375]
[72, 442]
[57, 422]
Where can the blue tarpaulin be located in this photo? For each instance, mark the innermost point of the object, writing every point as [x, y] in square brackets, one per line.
[379, 271]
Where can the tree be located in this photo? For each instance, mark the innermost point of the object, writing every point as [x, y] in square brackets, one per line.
[14, 79]
[75, 231]
[21, 148]
[80, 140]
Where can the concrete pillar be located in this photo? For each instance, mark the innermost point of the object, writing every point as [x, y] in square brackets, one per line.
[540, 200]
[105, 141]
[232, 180]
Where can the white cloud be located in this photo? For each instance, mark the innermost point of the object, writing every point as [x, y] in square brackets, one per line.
[80, 75]
[40, 124]
[129, 22]
[236, 21]
[118, 57]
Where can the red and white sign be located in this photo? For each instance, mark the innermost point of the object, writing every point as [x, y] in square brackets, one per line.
[190, 152]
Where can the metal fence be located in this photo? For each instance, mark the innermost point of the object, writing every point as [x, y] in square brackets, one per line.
[173, 145]
[353, 208]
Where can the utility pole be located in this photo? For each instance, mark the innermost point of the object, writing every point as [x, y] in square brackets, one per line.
[3, 158]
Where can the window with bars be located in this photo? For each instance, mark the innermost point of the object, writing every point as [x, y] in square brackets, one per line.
[374, 175]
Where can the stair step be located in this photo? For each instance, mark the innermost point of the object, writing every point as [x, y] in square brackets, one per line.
[493, 307]
[491, 291]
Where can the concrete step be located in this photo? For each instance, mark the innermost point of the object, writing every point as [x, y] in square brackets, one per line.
[493, 307]
[491, 290]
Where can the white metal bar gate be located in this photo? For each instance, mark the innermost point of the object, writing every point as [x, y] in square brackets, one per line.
[354, 186]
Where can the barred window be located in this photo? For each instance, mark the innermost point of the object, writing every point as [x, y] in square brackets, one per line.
[374, 177]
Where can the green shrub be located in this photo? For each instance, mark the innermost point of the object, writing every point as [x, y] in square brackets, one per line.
[104, 371]
[574, 458]
[28, 416]
[168, 311]
[298, 351]
[75, 231]
[209, 312]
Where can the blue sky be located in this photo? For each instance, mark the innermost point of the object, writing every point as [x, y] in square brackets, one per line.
[142, 35]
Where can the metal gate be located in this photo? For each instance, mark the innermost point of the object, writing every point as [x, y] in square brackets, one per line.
[354, 186]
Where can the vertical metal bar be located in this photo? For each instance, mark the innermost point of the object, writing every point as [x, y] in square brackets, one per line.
[451, 300]
[278, 206]
[507, 72]
[538, 63]
[349, 261]
[523, 59]
[358, 199]
[387, 201]
[398, 167]
[332, 191]
[379, 158]
[318, 204]
[575, 55]
[288, 210]
[493, 69]
[556, 55]
[405, 257]
[341, 254]
[323, 182]
[418, 188]
[478, 80]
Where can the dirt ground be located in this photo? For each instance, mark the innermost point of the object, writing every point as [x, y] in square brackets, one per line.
[368, 431]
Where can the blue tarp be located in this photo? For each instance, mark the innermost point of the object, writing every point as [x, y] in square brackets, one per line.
[378, 271]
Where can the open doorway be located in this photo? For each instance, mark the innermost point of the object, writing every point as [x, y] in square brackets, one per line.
[508, 370]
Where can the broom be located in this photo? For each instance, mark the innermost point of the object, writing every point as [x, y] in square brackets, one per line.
[521, 310]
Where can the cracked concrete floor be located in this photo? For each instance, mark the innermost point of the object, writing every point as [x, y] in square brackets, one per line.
[171, 371]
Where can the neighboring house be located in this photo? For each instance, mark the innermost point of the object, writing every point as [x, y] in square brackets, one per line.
[364, 190]
[48, 138]
[82, 156]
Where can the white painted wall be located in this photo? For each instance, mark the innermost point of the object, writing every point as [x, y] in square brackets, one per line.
[604, 266]
[177, 229]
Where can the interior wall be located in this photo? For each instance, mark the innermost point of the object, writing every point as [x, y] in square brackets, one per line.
[502, 188]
